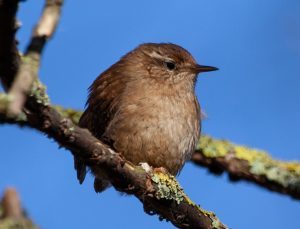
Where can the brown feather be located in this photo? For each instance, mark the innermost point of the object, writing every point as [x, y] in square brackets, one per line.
[145, 109]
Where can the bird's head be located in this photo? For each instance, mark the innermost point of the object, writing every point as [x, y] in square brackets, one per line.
[164, 62]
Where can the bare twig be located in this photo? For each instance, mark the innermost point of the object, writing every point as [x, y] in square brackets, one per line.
[11, 204]
[30, 62]
[11, 213]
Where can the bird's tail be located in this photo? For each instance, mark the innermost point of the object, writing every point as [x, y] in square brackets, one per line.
[100, 184]
[80, 168]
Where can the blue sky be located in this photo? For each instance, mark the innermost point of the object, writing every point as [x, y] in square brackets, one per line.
[252, 100]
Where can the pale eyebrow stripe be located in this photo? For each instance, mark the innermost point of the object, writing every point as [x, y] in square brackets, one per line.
[158, 56]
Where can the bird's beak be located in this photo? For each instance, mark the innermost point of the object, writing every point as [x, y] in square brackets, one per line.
[202, 68]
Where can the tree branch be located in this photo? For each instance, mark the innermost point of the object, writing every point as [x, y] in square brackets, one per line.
[31, 60]
[11, 214]
[248, 164]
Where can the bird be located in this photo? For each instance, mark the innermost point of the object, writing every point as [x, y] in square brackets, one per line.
[144, 107]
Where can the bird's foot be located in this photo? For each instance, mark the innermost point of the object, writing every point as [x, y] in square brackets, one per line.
[160, 170]
[146, 166]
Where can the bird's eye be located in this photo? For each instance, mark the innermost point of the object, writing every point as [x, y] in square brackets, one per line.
[170, 65]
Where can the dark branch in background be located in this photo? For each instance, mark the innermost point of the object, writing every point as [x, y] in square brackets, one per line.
[12, 215]
[28, 69]
[9, 58]
[159, 192]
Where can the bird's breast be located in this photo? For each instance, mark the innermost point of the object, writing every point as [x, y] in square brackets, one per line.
[158, 129]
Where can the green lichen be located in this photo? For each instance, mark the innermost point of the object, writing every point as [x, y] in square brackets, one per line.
[1, 211]
[260, 163]
[32, 61]
[5, 99]
[168, 187]
[38, 91]
[213, 149]
[9, 223]
[216, 223]
[73, 115]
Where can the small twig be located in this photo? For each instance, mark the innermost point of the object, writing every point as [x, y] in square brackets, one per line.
[12, 216]
[28, 69]
[11, 204]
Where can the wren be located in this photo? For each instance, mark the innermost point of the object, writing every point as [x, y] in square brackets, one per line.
[144, 107]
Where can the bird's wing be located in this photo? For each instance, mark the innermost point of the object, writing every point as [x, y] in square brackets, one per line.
[101, 104]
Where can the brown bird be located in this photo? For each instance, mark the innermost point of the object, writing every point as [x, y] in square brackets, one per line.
[144, 107]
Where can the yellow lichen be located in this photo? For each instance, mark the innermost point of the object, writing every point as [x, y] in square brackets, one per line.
[9, 223]
[260, 163]
[168, 187]
[291, 166]
[213, 148]
[5, 99]
[38, 91]
[71, 114]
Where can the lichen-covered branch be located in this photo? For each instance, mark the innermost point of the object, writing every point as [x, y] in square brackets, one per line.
[12, 215]
[248, 164]
[30, 62]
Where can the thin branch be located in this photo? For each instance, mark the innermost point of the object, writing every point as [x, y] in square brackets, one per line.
[11, 204]
[31, 60]
[11, 213]
[248, 164]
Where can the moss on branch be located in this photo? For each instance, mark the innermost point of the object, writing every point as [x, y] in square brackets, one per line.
[254, 165]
